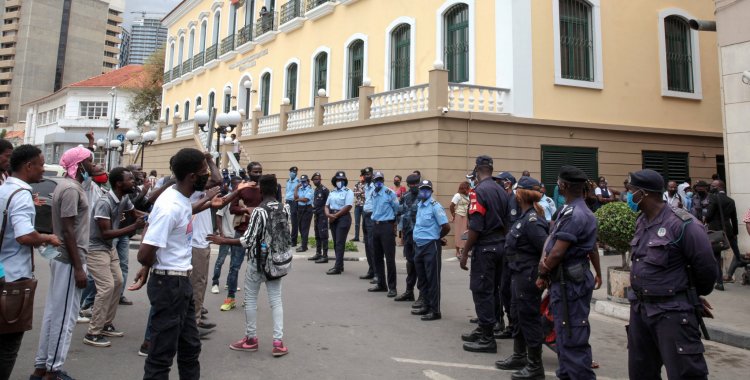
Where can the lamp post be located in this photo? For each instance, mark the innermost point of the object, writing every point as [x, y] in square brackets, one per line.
[146, 139]
[225, 123]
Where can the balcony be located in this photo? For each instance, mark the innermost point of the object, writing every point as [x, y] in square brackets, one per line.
[7, 27]
[7, 63]
[115, 18]
[227, 46]
[176, 72]
[12, 3]
[211, 53]
[6, 76]
[266, 27]
[113, 39]
[83, 122]
[8, 38]
[4, 88]
[187, 66]
[167, 76]
[198, 59]
[319, 8]
[292, 16]
[8, 51]
[244, 36]
[12, 14]
[111, 49]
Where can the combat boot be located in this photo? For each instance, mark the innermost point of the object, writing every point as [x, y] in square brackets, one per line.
[323, 259]
[534, 370]
[472, 336]
[518, 359]
[486, 343]
[419, 303]
[316, 257]
[317, 251]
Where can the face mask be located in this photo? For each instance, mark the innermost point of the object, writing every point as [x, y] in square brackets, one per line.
[633, 206]
[414, 190]
[714, 190]
[472, 183]
[304, 184]
[200, 182]
[368, 179]
[254, 177]
[425, 194]
[292, 175]
[101, 178]
[378, 185]
[84, 173]
[689, 194]
[396, 183]
[340, 185]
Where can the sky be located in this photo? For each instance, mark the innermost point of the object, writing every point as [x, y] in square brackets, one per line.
[160, 7]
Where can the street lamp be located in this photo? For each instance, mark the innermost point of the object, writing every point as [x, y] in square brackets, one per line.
[225, 123]
[146, 139]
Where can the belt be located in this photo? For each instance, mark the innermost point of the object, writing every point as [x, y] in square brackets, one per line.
[333, 211]
[179, 273]
[384, 221]
[511, 258]
[679, 296]
[299, 205]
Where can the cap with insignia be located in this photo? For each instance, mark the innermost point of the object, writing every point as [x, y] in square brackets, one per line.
[293, 169]
[378, 175]
[648, 180]
[528, 183]
[316, 174]
[425, 184]
[366, 170]
[471, 176]
[412, 179]
[303, 178]
[484, 161]
[572, 174]
[506, 176]
[340, 175]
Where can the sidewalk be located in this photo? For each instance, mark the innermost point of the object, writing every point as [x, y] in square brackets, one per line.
[731, 324]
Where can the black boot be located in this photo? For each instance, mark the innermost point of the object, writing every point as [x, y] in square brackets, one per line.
[518, 359]
[323, 259]
[472, 336]
[317, 256]
[486, 342]
[405, 296]
[419, 303]
[317, 251]
[534, 370]
[503, 333]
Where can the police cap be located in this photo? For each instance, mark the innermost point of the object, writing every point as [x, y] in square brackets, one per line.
[570, 173]
[367, 170]
[340, 175]
[303, 178]
[412, 179]
[425, 184]
[316, 174]
[701, 183]
[528, 183]
[378, 175]
[648, 180]
[506, 176]
[293, 169]
[484, 160]
[471, 175]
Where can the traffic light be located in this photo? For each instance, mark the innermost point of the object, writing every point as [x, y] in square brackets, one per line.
[117, 123]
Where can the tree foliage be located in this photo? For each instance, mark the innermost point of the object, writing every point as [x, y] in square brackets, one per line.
[146, 104]
[616, 227]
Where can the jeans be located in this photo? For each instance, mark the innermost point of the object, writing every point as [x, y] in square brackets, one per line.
[235, 262]
[252, 287]
[224, 250]
[89, 293]
[123, 252]
[9, 345]
[737, 261]
[358, 213]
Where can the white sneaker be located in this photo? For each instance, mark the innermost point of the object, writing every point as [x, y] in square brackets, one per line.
[82, 319]
[215, 289]
[86, 313]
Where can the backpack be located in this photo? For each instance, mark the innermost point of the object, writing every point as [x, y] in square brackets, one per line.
[276, 236]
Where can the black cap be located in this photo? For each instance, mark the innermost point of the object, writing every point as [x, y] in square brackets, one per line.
[316, 174]
[293, 169]
[304, 178]
[528, 183]
[506, 176]
[366, 170]
[340, 175]
[484, 161]
[572, 174]
[648, 180]
[425, 184]
[412, 179]
[378, 175]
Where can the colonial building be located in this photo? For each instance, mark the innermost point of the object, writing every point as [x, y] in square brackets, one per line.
[430, 84]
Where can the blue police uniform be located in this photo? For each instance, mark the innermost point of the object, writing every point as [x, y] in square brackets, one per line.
[337, 200]
[575, 224]
[367, 224]
[320, 198]
[663, 329]
[291, 184]
[384, 203]
[408, 215]
[304, 212]
[430, 219]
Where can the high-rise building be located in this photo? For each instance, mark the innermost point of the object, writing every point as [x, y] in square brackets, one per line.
[47, 44]
[146, 36]
[124, 47]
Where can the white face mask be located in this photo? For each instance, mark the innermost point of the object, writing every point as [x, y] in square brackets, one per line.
[340, 184]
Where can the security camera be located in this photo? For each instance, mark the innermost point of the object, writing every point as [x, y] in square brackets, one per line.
[444, 110]
[746, 77]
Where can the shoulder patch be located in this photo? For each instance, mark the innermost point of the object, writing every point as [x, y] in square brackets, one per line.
[532, 218]
[682, 214]
[569, 210]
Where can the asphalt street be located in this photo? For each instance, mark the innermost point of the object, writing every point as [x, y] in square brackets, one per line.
[335, 329]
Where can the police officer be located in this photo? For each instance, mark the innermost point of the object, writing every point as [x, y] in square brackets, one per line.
[429, 237]
[488, 205]
[408, 215]
[507, 181]
[320, 197]
[291, 186]
[339, 202]
[566, 266]
[523, 249]
[384, 204]
[367, 224]
[672, 264]
[303, 195]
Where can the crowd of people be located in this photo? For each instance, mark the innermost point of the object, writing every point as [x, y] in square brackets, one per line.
[514, 240]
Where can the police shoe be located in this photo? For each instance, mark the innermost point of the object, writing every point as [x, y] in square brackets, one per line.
[719, 287]
[367, 277]
[517, 360]
[472, 336]
[431, 316]
[334, 270]
[313, 258]
[486, 342]
[422, 311]
[377, 288]
[418, 303]
[301, 249]
[391, 293]
[405, 296]
[506, 333]
[322, 260]
[374, 280]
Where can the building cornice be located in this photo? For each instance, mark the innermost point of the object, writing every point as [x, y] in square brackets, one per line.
[179, 12]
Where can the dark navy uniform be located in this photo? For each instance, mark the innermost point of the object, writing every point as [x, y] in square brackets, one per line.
[663, 326]
[321, 222]
[504, 290]
[408, 216]
[575, 224]
[304, 210]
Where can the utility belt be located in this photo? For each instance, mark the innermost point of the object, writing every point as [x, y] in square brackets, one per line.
[383, 221]
[520, 257]
[299, 206]
[177, 273]
[644, 298]
[575, 273]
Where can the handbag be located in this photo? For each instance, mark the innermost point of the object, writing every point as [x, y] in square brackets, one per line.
[17, 297]
[719, 240]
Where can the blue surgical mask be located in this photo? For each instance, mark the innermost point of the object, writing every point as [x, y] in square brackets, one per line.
[689, 194]
[340, 185]
[304, 184]
[633, 206]
[425, 194]
[292, 175]
[84, 173]
[379, 185]
[472, 184]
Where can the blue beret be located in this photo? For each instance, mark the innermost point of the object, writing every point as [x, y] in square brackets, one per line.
[303, 178]
[340, 175]
[528, 183]
[648, 180]
[484, 161]
[572, 174]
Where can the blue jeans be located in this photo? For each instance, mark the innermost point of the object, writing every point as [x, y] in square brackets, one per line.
[358, 213]
[87, 297]
[235, 262]
[123, 253]
[224, 250]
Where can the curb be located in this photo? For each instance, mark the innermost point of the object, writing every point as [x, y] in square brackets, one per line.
[719, 333]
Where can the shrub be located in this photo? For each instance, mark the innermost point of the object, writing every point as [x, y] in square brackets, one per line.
[616, 223]
[349, 247]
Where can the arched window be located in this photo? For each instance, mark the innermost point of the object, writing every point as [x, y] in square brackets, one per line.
[291, 84]
[400, 59]
[166, 116]
[203, 36]
[456, 48]
[217, 22]
[171, 56]
[182, 47]
[265, 93]
[227, 102]
[191, 44]
[232, 25]
[211, 101]
[186, 112]
[177, 110]
[355, 68]
[679, 54]
[321, 73]
[198, 102]
[249, 9]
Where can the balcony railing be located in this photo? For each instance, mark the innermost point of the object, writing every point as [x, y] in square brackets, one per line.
[176, 72]
[227, 45]
[269, 124]
[471, 98]
[198, 59]
[291, 10]
[187, 66]
[400, 102]
[185, 128]
[167, 76]
[300, 119]
[211, 53]
[341, 112]
[266, 23]
[245, 35]
[312, 4]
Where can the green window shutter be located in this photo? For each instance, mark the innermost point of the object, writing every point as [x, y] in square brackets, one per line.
[554, 157]
[576, 40]
[291, 84]
[227, 103]
[265, 93]
[673, 166]
[456, 50]
[679, 54]
[355, 68]
[187, 111]
[400, 60]
[321, 72]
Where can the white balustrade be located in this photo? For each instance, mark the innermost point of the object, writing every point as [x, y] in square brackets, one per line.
[247, 128]
[471, 98]
[185, 128]
[341, 112]
[403, 101]
[269, 124]
[300, 119]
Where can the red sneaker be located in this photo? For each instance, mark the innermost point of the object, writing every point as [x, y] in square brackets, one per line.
[245, 344]
[279, 349]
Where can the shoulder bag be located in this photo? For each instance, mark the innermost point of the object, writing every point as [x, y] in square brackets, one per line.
[719, 240]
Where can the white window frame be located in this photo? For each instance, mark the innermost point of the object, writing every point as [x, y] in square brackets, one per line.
[270, 89]
[241, 94]
[440, 35]
[389, 51]
[365, 57]
[299, 68]
[697, 93]
[596, 17]
[314, 92]
[85, 106]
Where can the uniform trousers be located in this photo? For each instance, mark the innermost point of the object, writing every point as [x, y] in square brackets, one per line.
[484, 281]
[384, 249]
[304, 217]
[294, 219]
[525, 305]
[339, 231]
[199, 276]
[428, 263]
[412, 276]
[505, 293]
[358, 213]
[367, 226]
[574, 350]
[9, 346]
[173, 329]
[104, 267]
[321, 232]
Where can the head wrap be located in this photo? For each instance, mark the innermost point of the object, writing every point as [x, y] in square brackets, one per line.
[72, 157]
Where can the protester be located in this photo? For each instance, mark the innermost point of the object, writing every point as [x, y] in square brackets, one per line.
[459, 209]
[225, 227]
[672, 196]
[721, 215]
[6, 150]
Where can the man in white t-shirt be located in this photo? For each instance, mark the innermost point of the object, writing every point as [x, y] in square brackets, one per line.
[236, 147]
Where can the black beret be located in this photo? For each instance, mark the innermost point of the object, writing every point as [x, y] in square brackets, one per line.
[412, 179]
[572, 174]
[484, 161]
[293, 169]
[316, 174]
[528, 183]
[648, 180]
[425, 184]
[506, 176]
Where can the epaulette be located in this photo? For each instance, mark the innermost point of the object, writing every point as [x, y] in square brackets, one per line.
[683, 214]
[532, 217]
[569, 210]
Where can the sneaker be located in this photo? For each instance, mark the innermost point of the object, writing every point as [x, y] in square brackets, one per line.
[82, 319]
[245, 344]
[278, 348]
[96, 340]
[85, 313]
[61, 375]
[143, 351]
[228, 304]
[125, 301]
[215, 289]
[110, 330]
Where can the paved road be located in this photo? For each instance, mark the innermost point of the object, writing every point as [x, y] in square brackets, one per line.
[334, 328]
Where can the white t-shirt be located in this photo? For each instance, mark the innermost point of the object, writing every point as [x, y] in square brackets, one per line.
[202, 225]
[236, 146]
[227, 221]
[170, 227]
